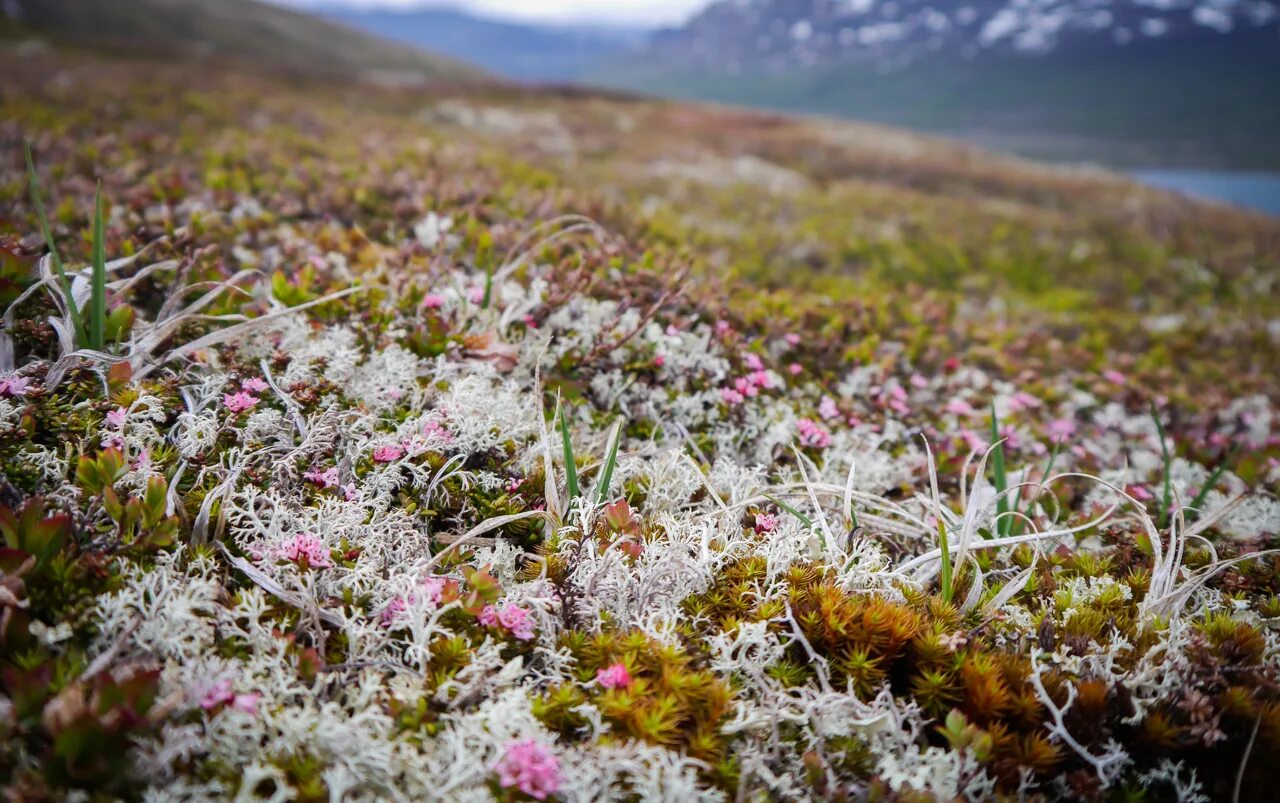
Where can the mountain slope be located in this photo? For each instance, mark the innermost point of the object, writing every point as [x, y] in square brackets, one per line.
[244, 29]
[1173, 82]
[521, 51]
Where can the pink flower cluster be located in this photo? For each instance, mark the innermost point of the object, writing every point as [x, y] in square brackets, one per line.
[512, 618]
[306, 546]
[531, 768]
[749, 386]
[432, 592]
[813, 435]
[220, 694]
[766, 522]
[12, 386]
[254, 385]
[328, 478]
[239, 402]
[388, 454]
[614, 677]
[413, 446]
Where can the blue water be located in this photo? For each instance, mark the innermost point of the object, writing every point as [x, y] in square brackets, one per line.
[1257, 191]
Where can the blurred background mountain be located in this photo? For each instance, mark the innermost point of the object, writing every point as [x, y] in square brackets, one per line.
[1174, 91]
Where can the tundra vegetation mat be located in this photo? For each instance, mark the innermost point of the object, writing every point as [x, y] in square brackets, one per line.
[408, 444]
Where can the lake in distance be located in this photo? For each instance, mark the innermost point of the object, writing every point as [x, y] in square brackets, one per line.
[1259, 191]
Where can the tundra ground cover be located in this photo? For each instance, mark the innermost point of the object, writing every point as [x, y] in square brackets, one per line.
[477, 452]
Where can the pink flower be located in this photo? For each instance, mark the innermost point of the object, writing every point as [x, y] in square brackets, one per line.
[217, 694]
[531, 768]
[827, 408]
[303, 546]
[349, 492]
[723, 328]
[959, 407]
[1023, 401]
[1061, 430]
[1114, 377]
[766, 522]
[476, 295]
[615, 677]
[813, 435]
[918, 381]
[254, 385]
[1140, 493]
[659, 361]
[388, 454]
[792, 339]
[795, 369]
[14, 386]
[432, 301]
[247, 703]
[488, 616]
[325, 479]
[517, 621]
[220, 694]
[115, 418]
[239, 402]
[435, 428]
[731, 397]
[530, 321]
[762, 379]
[753, 362]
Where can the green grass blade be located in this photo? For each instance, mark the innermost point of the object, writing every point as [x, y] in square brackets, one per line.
[805, 520]
[34, 182]
[98, 300]
[610, 461]
[570, 466]
[1001, 481]
[1167, 497]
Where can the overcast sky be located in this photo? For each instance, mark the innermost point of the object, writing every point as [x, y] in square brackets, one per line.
[622, 12]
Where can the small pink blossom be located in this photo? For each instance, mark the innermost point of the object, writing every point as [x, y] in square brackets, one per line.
[14, 386]
[827, 408]
[753, 362]
[308, 547]
[516, 620]
[394, 394]
[488, 616]
[436, 429]
[795, 368]
[659, 361]
[1023, 401]
[388, 454]
[615, 677]
[531, 768]
[1061, 430]
[918, 381]
[476, 295]
[239, 402]
[254, 385]
[722, 327]
[115, 418]
[959, 407]
[349, 492]
[220, 694]
[731, 397]
[813, 435]
[1114, 377]
[328, 478]
[766, 522]
[432, 301]
[792, 339]
[247, 703]
[513, 485]
[530, 321]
